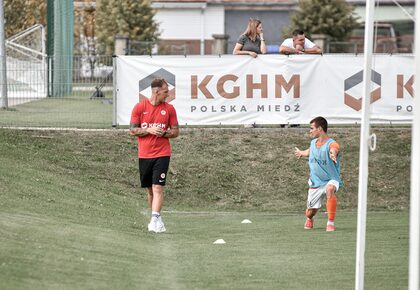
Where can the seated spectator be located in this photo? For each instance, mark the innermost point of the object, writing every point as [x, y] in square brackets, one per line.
[299, 44]
[252, 41]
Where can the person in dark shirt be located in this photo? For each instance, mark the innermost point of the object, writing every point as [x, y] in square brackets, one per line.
[252, 41]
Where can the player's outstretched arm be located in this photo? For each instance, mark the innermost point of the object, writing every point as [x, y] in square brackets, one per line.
[299, 153]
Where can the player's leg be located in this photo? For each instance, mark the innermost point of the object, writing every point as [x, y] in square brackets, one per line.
[313, 204]
[150, 197]
[157, 201]
[145, 169]
[310, 213]
[160, 169]
[331, 189]
[153, 220]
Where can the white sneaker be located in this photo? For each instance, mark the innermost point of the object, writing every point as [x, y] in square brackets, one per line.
[152, 225]
[160, 227]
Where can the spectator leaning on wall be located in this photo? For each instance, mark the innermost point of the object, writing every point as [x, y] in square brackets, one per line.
[299, 44]
[252, 41]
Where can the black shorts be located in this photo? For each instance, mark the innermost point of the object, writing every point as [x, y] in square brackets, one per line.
[153, 170]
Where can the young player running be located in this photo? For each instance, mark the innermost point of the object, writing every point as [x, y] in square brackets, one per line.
[324, 166]
[153, 121]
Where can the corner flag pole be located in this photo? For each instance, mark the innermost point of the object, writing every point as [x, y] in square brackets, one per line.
[364, 144]
[414, 250]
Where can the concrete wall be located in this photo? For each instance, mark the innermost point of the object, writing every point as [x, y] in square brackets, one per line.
[190, 23]
[187, 24]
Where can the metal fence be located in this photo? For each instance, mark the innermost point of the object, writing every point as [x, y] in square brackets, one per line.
[31, 101]
[391, 45]
[401, 44]
[161, 48]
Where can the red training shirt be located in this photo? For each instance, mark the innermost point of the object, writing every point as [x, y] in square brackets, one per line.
[147, 116]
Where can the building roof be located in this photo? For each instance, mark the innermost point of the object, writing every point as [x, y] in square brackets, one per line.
[229, 2]
[383, 2]
[278, 2]
[263, 4]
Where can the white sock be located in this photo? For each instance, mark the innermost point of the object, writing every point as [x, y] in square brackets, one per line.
[155, 214]
[330, 223]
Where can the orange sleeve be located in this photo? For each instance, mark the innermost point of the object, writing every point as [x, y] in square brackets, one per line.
[336, 146]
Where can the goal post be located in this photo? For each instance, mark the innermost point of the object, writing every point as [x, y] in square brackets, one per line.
[26, 65]
[414, 251]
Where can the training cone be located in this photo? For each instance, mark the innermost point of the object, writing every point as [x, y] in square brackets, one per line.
[246, 221]
[219, 242]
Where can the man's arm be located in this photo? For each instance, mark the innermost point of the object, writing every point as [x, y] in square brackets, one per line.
[135, 121]
[135, 130]
[288, 50]
[313, 50]
[173, 132]
[287, 47]
[299, 153]
[334, 150]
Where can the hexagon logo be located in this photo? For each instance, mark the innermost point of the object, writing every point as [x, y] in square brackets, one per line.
[354, 80]
[144, 84]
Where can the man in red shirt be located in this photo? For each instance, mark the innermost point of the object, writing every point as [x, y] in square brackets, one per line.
[154, 121]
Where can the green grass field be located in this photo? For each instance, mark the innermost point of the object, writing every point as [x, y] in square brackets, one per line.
[60, 112]
[72, 215]
[274, 252]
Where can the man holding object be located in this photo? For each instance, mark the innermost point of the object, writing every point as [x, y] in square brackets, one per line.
[154, 121]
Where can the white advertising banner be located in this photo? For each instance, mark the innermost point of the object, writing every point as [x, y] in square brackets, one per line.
[270, 89]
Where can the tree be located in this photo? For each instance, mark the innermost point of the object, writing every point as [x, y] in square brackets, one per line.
[131, 18]
[84, 27]
[333, 18]
[22, 14]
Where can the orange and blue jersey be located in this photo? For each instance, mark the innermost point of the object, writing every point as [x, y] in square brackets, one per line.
[322, 167]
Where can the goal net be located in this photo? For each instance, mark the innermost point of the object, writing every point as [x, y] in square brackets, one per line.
[26, 66]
